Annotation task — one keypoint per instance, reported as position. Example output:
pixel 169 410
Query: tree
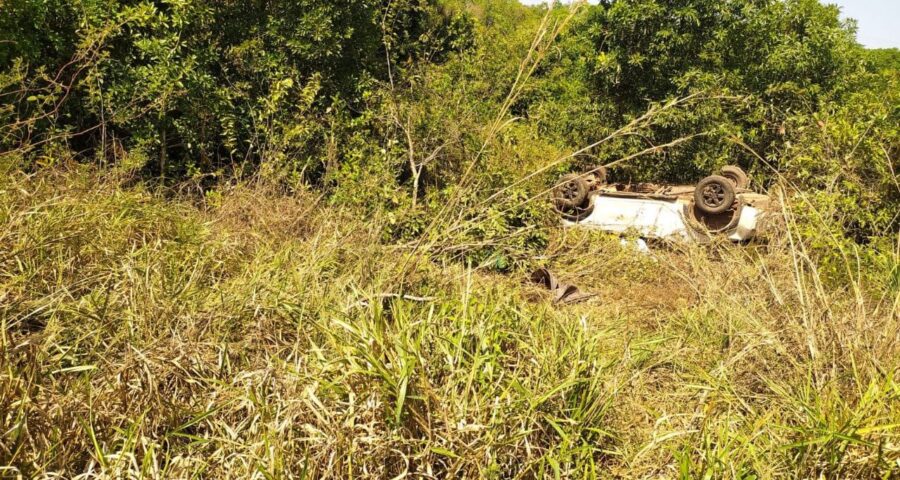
pixel 198 84
pixel 763 61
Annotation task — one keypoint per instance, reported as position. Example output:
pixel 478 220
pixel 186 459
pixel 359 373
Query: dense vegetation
pixel 286 238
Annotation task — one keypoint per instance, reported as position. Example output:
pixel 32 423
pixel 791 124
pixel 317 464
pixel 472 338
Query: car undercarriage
pixel 719 206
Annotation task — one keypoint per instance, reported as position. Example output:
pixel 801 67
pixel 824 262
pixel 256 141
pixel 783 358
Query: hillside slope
pixel 258 335
pixel 290 239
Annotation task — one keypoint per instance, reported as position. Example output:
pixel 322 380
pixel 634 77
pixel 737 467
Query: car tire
pixel 714 194
pixel 737 176
pixel 571 192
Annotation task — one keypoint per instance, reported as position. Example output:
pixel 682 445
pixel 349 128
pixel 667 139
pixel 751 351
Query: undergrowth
pixel 262 335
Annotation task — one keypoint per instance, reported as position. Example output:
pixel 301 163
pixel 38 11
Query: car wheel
pixel 714 194
pixel 737 176
pixel 571 192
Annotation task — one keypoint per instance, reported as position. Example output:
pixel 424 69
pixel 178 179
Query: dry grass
pixel 251 337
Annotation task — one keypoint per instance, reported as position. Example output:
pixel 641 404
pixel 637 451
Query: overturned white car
pixel 719 205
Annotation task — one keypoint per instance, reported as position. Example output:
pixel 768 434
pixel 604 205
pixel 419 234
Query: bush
pixel 203 85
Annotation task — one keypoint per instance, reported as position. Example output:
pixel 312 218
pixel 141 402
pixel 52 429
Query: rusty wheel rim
pixel 713 195
pixel 570 191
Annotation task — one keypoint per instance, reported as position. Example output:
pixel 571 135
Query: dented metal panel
pixel 645 217
pixel 748 225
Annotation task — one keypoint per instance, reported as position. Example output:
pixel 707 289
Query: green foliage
pixel 36 31
pixel 881 59
pixel 760 61
pixel 786 52
pixel 205 84
pixel 844 161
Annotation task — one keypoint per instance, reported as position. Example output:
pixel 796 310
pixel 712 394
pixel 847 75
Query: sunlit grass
pixel 259 335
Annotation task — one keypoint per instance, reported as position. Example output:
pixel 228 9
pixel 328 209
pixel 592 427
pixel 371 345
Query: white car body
pixel 666 218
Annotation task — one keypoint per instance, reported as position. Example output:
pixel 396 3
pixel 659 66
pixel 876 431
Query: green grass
pixel 256 335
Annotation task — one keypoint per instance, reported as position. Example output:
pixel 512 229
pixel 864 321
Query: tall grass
pixel 260 335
